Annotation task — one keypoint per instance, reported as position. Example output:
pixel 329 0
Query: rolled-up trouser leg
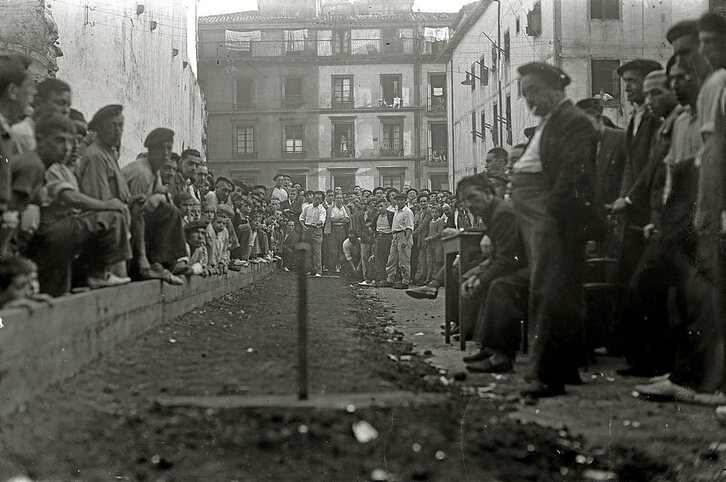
pixel 164 234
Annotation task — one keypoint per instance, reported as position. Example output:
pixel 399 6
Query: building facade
pixel 335 94
pixel 588 39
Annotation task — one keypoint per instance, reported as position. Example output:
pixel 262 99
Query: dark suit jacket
pixel 638 158
pixel 612 155
pixel 568 150
pixel 508 254
pixel 288 245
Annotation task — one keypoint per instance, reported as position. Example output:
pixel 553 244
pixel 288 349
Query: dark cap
pixel 103 114
pixel 681 29
pixel 277 176
pixel 159 136
pixel 590 105
pixel 550 73
pixel 223 208
pixel 644 66
pixel 194 225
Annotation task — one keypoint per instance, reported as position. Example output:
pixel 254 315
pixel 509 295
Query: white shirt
pixel 312 215
pixel 637 117
pixel 279 193
pixel 382 224
pixel 339 212
pixel 402 220
pixel 531 160
pixel 350 249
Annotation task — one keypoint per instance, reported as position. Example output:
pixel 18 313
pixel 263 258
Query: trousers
pixel 399 257
pixel 383 248
pixel 314 237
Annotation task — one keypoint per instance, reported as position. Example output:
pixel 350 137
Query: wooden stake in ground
pixel 303 251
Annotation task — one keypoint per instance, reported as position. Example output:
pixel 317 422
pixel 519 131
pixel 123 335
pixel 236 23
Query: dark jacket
pixel 568 150
pixel 361 226
pixel 612 154
pixel 289 242
pixel 508 254
pixel 639 147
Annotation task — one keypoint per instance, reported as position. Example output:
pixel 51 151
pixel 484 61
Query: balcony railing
pixel 293 154
pixel 340 154
pixel 390 102
pixel 437 154
pixel 344 104
pixel 388 152
pixel 293 101
pixel 318 48
pixel 245 155
pixel 436 104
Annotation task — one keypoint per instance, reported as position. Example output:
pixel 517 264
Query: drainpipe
pixel 451 108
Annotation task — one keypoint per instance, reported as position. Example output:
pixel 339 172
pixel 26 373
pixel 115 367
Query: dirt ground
pixel 103 424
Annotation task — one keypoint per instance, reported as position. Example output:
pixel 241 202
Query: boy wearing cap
pixel 195 233
pixel 219 255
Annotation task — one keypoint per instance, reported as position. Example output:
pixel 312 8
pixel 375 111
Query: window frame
pixel 245 154
pixel 392 174
pixel 237 104
pixel 335 153
pixel 394 78
pixel 388 150
pixel 343 103
pixel 602 6
pixel 615 83
pixel 296 151
pixel 297 100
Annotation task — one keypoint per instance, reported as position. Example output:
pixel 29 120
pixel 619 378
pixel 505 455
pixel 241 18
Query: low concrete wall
pixel 53 342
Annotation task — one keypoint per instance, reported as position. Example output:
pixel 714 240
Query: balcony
pixel 293 101
pixel 436 105
pixel 390 103
pixel 388 152
pixel 293 154
pixel 437 155
pixel 245 155
pixel 309 48
pixel 339 154
pixel 343 105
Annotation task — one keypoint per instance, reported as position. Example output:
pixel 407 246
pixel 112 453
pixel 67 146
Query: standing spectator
pixel 361 224
pixel 352 253
pixel 399 258
pixel 434 245
pixel 422 220
pixel 552 196
pixel 313 219
pixel 339 224
pixel 383 221
pixel 278 191
pixel 190 160
pixel 289 253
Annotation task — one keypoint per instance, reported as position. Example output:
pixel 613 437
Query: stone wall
pixel 53 342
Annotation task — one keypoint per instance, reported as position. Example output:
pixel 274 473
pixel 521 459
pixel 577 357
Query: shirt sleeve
pixel 56 182
pixel 323 215
pixel 346 250
pixel 93 178
pixel 302 214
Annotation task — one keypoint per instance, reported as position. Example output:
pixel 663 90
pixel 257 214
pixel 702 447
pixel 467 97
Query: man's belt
pixel 312 226
pixel 383 234
pixel 400 231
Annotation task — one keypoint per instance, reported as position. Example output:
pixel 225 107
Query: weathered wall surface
pixel 112 55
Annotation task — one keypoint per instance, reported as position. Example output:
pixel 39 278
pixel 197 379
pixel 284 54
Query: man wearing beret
pixel 553 199
pixel 683 36
pixel 160 235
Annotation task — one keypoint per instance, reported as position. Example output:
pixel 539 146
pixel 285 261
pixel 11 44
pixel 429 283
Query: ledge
pixel 56 340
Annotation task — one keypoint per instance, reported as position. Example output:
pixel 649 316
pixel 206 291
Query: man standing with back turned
pixel 553 183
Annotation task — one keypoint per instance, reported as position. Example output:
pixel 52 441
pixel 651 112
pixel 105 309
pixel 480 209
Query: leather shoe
pixel 401 286
pixel 384 284
pixel 487 366
pixel 423 292
pixel 480 356
pixel 540 389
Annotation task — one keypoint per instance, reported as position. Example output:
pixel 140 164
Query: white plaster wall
pixel 112 56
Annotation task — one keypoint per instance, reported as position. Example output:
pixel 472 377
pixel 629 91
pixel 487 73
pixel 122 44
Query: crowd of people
pixel 646 203
pixel 613 239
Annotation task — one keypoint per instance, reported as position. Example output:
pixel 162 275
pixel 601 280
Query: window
pixel 534 21
pixel 438 142
pixel 295 41
pixel 473 81
pixel 392 145
pixel 292 92
pixel 341 41
pixel 437 93
pixel 495 54
pixel 392 180
pixel 473 127
pixel 391 41
pixel 343 142
pixel 301 179
pixel 605 9
pixel 293 140
pixel 344 180
pixel 483 125
pixel 495 125
pixel 507 45
pixel 439 182
pixel 519 88
pixel 516 25
pixel 343 91
pixel 245 145
pixel 509 119
pixel 244 94
pixel 243 176
pixel 483 72
pixel 391 91
pixel 605 78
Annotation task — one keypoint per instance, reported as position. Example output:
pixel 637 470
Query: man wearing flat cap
pixel 159 229
pixel 278 190
pixel 553 199
pixel 683 36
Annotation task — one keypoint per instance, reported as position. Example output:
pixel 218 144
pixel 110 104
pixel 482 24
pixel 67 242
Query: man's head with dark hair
pixel 55 135
pixel 659 96
pixel 712 38
pixel 543 86
pixel 108 123
pixel 17 88
pixel 16 274
pixel 496 153
pixel 54 95
pixel 633 73
pixel 683 36
pixel 687 73
pixel 318 197
pixel 476 192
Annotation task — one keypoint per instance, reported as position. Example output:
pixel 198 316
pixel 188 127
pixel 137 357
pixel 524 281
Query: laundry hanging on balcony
pixel 241 41
pixel 295 40
pixel 365 41
pixel 432 34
